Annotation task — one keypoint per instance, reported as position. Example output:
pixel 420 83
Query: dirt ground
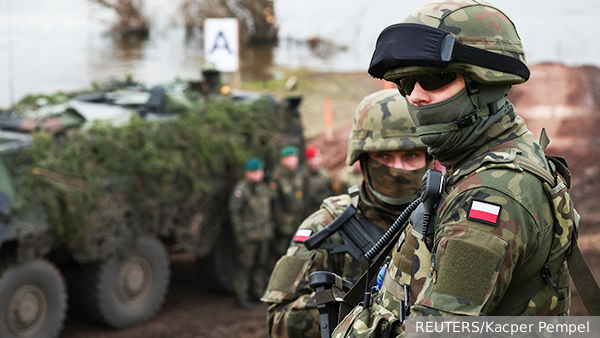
pixel 564 100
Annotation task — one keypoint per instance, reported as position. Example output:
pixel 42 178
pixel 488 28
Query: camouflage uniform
pixel 381 124
pixel 289 205
pixel 505 219
pixel 251 218
pixel 347 177
pixel 318 187
pixel 292 311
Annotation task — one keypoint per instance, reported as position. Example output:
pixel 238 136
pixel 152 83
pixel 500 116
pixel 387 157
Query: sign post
pixel 221 45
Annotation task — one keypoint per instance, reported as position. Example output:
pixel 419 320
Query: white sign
pixel 221 43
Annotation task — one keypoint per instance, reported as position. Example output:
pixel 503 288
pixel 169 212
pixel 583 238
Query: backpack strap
pixel 515 301
pixel 584 281
pixel 557 163
pixel 579 271
pixel 534 168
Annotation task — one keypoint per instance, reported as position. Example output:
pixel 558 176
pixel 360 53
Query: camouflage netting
pixel 101 186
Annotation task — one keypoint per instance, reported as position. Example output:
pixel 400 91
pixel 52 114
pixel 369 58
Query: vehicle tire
pixel 33 301
pixel 222 262
pixel 127 290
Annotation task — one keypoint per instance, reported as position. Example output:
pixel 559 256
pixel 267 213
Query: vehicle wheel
pixel 33 300
pixel 127 290
pixel 222 262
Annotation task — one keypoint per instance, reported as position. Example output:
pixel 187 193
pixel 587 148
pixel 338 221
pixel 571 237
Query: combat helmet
pixel 382 123
pixel 209 70
pixel 470 37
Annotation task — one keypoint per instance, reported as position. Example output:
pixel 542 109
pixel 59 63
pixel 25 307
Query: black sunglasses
pixel 430 81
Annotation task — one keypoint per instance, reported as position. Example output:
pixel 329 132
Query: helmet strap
pixel 472 90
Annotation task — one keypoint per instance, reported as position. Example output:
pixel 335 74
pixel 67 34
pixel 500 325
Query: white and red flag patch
pixel 485 212
pixel 302 235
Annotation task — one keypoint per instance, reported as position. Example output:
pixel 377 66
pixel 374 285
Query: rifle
pixel 360 246
pixel 356 239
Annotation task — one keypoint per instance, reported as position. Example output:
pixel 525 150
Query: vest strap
pixel 393 287
pixel 515 300
pixel 583 279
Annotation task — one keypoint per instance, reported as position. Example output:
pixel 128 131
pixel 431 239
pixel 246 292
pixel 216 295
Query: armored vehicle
pixel 89 209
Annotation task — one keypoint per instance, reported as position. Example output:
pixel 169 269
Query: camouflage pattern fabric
pixel 251 270
pixel 510 251
pixel 289 205
pixel 501 223
pixel 292 309
pixel 477 261
pixel 347 177
pixel 318 188
pixel 251 218
pixel 52 123
pixel 381 123
pixel 474 23
pixel 394 182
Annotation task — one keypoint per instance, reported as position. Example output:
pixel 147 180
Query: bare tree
pixel 131 22
pixel 257 21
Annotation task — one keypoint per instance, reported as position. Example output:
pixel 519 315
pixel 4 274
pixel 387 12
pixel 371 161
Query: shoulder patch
pixel 237 194
pixel 302 235
pixel 484 212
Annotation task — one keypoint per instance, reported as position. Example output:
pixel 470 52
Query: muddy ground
pixel 562 99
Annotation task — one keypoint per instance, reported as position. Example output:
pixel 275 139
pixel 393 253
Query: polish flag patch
pixel 302 235
pixel 484 212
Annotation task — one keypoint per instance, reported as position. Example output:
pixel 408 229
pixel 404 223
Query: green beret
pixel 253 164
pixel 289 150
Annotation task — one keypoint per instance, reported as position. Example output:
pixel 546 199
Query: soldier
pixel 318 180
pixel 250 210
pixel 503 223
pixel 393 161
pixel 288 177
pixel 211 79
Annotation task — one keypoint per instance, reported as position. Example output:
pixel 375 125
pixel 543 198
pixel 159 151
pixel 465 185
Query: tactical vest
pixel 527 282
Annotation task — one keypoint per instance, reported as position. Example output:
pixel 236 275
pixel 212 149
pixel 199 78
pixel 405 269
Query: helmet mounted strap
pixel 434 47
pixel 472 90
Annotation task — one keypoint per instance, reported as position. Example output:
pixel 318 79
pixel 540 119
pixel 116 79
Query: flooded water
pixel 46 46
pixel 551 30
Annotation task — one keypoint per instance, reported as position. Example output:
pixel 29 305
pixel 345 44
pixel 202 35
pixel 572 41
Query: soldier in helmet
pixel 251 218
pixel 209 87
pixel 211 77
pixel 318 180
pixel 503 223
pixel 393 161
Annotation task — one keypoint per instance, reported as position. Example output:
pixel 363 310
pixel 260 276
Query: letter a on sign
pixel 220 38
pixel 221 43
